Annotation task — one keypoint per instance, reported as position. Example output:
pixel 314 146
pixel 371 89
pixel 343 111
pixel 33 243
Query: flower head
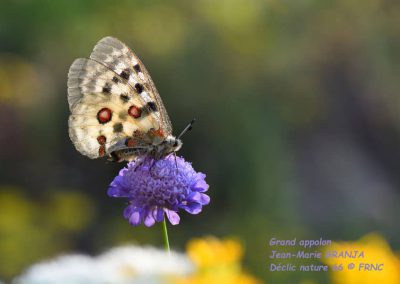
pixel 210 251
pixel 155 188
pixel 217 261
pixel 126 264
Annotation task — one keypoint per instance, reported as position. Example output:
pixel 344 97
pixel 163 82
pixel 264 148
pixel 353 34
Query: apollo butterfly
pixel 116 110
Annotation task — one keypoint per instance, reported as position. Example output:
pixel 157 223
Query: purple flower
pixel 158 188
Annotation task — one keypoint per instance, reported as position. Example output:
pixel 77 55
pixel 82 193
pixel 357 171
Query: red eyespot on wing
pixel 159 132
pixel 104 115
pixel 134 111
pixel 130 142
pixel 101 139
pixel 102 151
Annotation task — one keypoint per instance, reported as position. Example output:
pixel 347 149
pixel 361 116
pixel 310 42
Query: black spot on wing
pixel 115 79
pixel 137 68
pixel 124 98
pixel 139 88
pixel 152 106
pixel 125 74
pixel 107 88
pixel 118 127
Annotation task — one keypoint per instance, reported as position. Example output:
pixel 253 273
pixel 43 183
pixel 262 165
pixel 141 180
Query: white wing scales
pixel 117 57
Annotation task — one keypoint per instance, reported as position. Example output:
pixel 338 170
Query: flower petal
pixel 172 216
pixel 200 186
pixel 134 219
pixel 128 211
pixel 116 191
pixel 192 207
pixel 158 214
pixel 149 219
pixel 198 197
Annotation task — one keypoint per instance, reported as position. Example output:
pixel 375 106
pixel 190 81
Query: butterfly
pixel 116 110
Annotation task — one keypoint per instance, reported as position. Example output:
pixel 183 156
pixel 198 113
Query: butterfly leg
pixel 176 163
pixel 153 163
pixel 140 160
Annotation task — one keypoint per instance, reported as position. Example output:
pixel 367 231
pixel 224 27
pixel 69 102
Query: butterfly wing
pixel 109 107
pixel 118 57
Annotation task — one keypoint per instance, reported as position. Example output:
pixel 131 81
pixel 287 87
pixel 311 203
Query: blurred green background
pixel 298 124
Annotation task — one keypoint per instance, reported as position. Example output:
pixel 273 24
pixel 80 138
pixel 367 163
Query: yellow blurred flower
pixel 211 252
pixel 217 261
pixel 371 250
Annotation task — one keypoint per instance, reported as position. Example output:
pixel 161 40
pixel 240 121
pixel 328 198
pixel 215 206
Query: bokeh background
pixel 298 124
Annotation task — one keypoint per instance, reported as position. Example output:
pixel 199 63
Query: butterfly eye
pixel 175 143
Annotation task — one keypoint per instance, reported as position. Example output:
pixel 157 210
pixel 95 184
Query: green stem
pixel 165 234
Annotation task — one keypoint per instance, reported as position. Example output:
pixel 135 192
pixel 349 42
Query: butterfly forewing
pixel 112 99
pixel 123 61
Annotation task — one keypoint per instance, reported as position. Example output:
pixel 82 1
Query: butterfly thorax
pixel 156 150
pixel 169 145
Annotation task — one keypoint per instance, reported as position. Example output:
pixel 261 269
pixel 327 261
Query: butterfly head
pixel 173 144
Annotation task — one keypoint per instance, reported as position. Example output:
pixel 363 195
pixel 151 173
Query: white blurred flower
pixel 64 269
pixel 121 265
pixel 142 264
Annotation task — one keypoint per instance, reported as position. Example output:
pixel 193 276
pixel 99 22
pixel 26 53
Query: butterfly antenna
pixel 187 128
